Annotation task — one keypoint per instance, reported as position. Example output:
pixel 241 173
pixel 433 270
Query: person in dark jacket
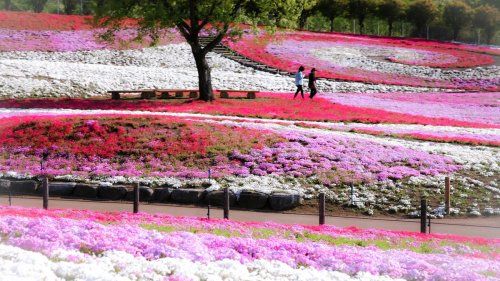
pixel 312 83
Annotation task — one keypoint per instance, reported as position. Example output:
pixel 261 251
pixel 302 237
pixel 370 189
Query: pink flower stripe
pixel 420 133
pixel 24 31
pixel 427 133
pixel 268 105
pixel 243 228
pixel 289 50
pixel 74 40
pixel 491 50
pixel 473 107
pixel 47 234
pixel 490 140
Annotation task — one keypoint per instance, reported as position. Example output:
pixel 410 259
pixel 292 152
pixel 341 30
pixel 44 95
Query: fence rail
pixel 424 221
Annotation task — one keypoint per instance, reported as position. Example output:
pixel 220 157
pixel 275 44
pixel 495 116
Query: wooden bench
pixel 153 93
pixel 145 94
pixel 177 93
pixel 224 94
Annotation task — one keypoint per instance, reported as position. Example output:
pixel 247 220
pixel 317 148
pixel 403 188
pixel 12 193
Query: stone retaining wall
pixel 247 199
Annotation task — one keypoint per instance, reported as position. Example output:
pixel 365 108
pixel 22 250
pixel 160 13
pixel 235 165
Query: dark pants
pixel 313 92
pixel 299 89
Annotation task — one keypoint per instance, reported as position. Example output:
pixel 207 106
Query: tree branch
pixel 184 30
pixel 206 20
pixel 193 16
pixel 222 33
pixel 210 46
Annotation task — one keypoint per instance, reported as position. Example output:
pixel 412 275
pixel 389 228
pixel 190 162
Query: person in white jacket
pixel 299 82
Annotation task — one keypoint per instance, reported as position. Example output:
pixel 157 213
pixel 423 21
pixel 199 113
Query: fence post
pixel 352 194
pixel 208 209
pixel 429 224
pixel 45 190
pixel 447 188
pixel 226 203
pixel 208 205
pixel 423 215
pixel 6 185
pixel 136 198
pixel 321 208
pixel 10 195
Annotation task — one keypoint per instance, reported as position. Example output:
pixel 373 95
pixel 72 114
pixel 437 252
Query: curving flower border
pixel 256 47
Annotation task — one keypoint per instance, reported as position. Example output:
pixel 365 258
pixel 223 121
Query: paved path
pixel 466 227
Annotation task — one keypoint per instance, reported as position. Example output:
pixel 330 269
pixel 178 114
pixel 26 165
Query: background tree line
pixel 473 21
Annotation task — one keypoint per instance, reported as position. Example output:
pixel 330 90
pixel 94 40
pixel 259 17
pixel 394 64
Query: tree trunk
pixel 420 31
pixel 390 28
pixel 69 6
pixel 303 20
pixel 38 5
pixel 361 26
pixel 204 77
pixel 331 24
pixel 277 21
pixel 7 5
pixel 456 31
pixel 100 4
pixel 490 32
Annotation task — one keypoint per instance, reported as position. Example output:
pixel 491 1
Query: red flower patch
pixel 266 106
pixel 134 137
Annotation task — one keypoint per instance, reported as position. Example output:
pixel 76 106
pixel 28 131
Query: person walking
pixel 312 83
pixel 299 82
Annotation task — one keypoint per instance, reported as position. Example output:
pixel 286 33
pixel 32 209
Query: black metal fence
pixel 424 217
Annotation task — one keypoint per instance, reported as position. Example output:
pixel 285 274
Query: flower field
pixel 43 55
pixel 389 141
pixel 244 153
pixel 372 59
pixel 85 147
pixel 72 244
pixel 62 33
pixel 473 107
pixel 73 40
pixel 344 108
pixel 42 21
pixel 393 118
